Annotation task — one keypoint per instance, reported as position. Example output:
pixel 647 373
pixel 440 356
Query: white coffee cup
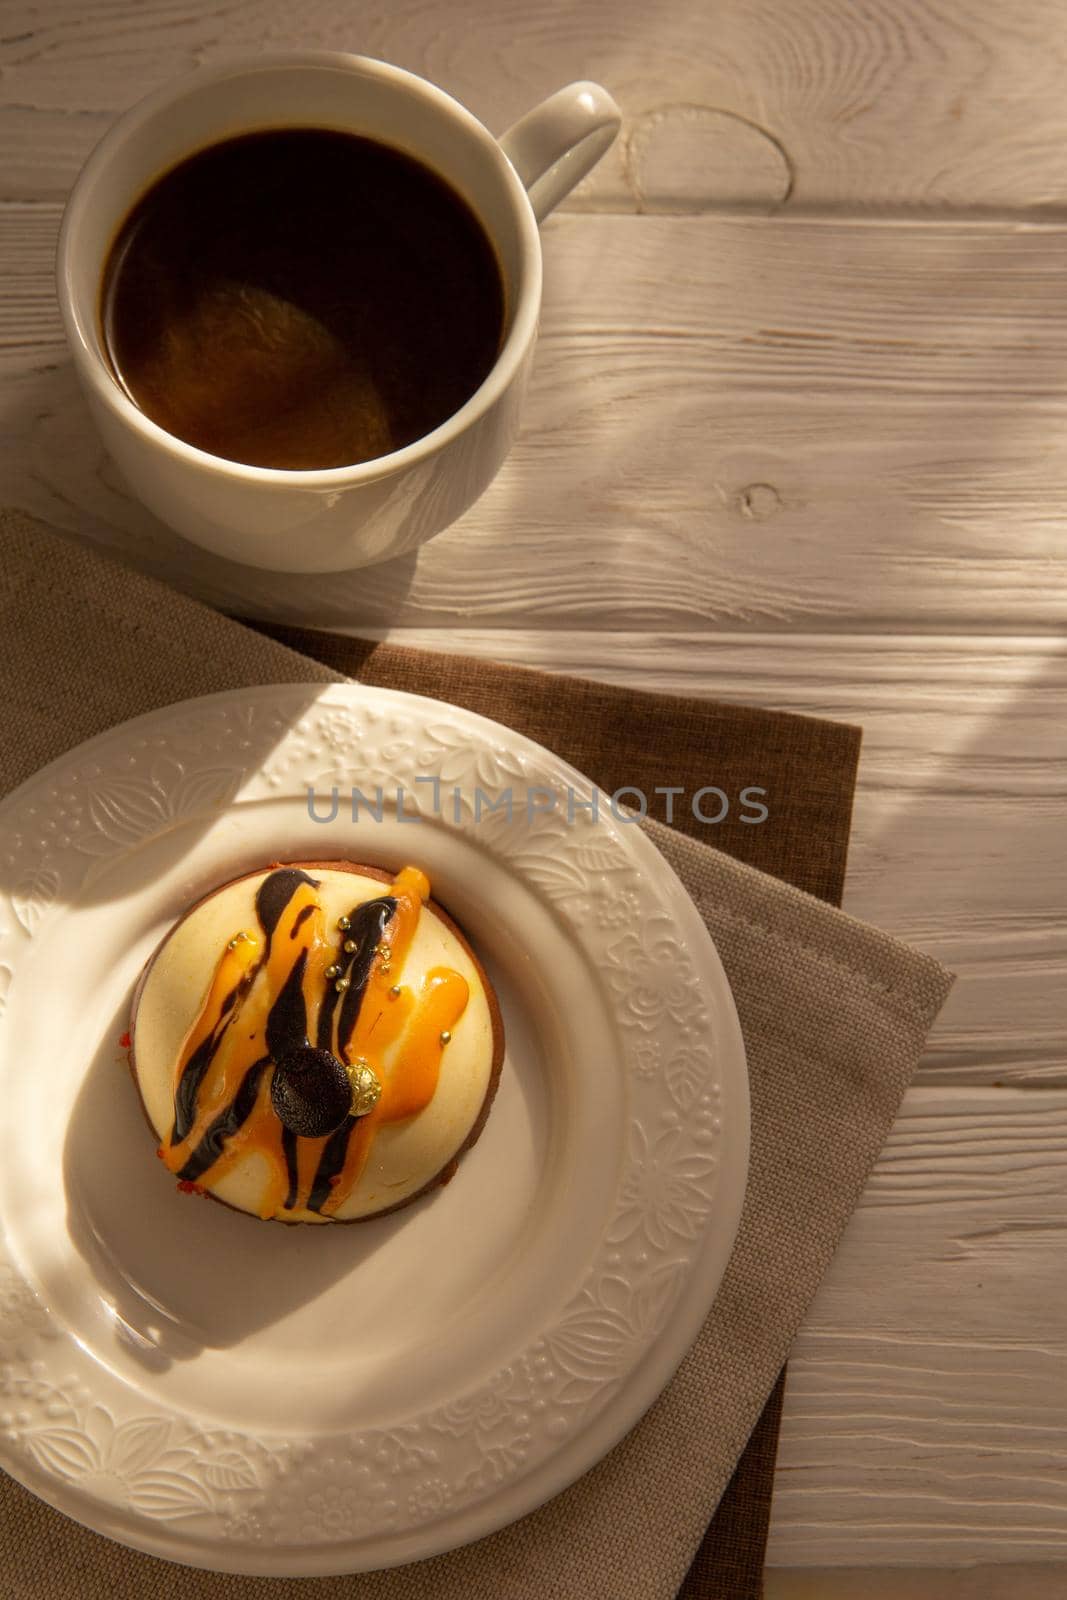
pixel 338 517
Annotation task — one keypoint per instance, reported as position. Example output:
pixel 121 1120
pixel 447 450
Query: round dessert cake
pixel 315 1042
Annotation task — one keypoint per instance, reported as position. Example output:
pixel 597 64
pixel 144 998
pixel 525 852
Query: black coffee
pixel 301 298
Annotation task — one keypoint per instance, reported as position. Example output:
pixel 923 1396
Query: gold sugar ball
pixel 366 1087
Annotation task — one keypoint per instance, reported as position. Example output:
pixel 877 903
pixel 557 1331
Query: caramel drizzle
pixel 223 1111
pixel 405 1092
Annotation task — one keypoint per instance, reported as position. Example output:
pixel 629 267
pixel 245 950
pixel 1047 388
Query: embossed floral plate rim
pixel 163 1483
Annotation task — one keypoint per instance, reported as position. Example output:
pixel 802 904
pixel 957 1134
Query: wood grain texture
pixel 907 104
pixel 926 1412
pixel 1030 1580
pixel 746 423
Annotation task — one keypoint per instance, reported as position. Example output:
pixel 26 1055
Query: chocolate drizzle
pixel 275 893
pixel 330 1163
pixel 287 1021
pixel 289 1152
pixel 198 1063
pixel 367 925
pixel 229 1119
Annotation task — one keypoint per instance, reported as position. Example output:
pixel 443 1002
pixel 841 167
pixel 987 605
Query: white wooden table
pixel 797 437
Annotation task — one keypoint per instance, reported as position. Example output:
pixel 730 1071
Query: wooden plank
pixel 926 1411
pixel 896 103
pixel 748 424
pixel 1031 1580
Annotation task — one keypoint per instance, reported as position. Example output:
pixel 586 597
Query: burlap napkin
pixel 834 1015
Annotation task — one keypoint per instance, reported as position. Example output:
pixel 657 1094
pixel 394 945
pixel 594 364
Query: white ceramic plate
pixel 254 1398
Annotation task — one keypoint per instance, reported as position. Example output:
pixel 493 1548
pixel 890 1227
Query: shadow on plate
pixel 180 1273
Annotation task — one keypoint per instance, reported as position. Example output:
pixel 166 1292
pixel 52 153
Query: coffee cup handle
pixel 553 146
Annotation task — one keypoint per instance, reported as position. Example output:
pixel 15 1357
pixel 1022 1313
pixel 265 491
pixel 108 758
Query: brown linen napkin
pixel 834 1016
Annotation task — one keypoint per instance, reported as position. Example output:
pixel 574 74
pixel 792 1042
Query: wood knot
pixel 758 502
